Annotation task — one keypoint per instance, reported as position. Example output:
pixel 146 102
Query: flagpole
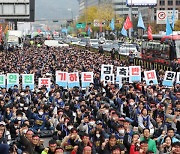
pixel 130 16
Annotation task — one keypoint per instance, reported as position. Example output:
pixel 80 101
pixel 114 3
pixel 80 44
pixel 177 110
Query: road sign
pixel 162 16
pixel 80 25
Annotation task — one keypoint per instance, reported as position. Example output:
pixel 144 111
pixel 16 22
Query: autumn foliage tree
pixel 177 25
pixel 103 13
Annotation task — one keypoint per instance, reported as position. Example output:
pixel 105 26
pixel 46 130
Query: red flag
pixel 1 33
pixel 128 24
pixel 86 29
pixel 100 28
pixel 149 32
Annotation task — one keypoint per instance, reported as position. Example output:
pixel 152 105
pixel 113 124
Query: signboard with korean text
pixel 2 81
pixel 44 82
pixel 28 80
pixel 122 72
pixel 134 74
pixel 178 77
pixel 12 80
pixel 169 78
pixel 73 80
pixel 107 78
pixel 106 69
pixel 150 77
pixel 62 79
pixel 107 73
pixel 86 78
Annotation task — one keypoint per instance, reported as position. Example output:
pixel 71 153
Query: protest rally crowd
pixel 100 119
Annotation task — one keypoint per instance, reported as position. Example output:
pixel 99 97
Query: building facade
pixel 119 6
pixel 122 9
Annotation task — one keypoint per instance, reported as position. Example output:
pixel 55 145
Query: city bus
pixel 163 49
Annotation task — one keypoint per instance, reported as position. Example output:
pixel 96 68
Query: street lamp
pixel 71 13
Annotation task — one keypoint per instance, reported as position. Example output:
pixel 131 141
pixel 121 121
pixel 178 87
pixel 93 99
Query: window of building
pixel 161 2
pixel 122 9
pixel 170 8
pixel 170 2
pixel 162 9
pixel 177 2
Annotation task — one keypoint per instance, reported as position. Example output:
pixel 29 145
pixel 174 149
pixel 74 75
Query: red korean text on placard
pixel 44 82
pixel 72 77
pixel 135 71
pixel 62 76
pixel 87 77
pixel 150 75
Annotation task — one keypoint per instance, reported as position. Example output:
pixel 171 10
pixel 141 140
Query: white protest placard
pixel 108 78
pixel 106 69
pixel 62 79
pixel 86 78
pixel 169 78
pixel 150 76
pixel 28 80
pixel 12 80
pixel 178 77
pixel 3 81
pixel 123 71
pixel 73 80
pixel 44 82
pixel 134 73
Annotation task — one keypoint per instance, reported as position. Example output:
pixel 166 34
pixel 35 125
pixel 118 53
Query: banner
pixel 73 80
pixel 28 80
pixel 86 78
pixel 134 74
pixel 62 79
pixel 2 81
pixel 150 76
pixel 178 77
pixel 12 80
pixel 169 78
pixel 44 82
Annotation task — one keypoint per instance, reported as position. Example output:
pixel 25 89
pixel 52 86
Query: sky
pixel 56 9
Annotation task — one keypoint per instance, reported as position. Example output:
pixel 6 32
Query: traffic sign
pixel 162 16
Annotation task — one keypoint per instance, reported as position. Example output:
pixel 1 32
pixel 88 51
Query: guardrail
pixel 148 64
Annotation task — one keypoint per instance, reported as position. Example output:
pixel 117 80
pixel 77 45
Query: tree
pixel 177 25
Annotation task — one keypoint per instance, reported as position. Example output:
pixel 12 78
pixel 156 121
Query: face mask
pixel 40 113
pixel 91 123
pixel 70 127
pixel 16 127
pixel 25 108
pixel 19 118
pixel 155 94
pixel 98 135
pixel 21 104
pixel 121 131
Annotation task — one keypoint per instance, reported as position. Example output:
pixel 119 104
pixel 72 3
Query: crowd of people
pixel 101 119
